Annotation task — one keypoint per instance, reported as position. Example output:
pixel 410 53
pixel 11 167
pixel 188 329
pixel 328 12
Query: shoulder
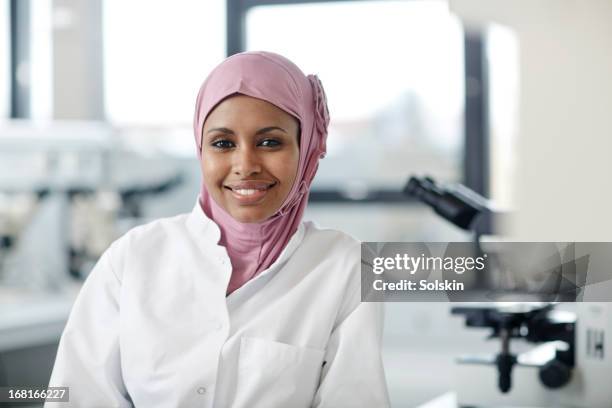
pixel 161 227
pixel 334 251
pixel 330 242
pixel 149 238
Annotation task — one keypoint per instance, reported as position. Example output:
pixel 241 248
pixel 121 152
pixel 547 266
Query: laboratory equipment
pixel 67 190
pixel 570 367
pixel 535 323
pixel 571 364
pixel 457 204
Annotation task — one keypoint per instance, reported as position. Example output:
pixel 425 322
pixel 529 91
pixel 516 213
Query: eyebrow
pixel 259 132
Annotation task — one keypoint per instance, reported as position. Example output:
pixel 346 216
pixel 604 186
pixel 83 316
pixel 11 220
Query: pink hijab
pixel 253 247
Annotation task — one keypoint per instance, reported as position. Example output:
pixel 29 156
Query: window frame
pixel 19 43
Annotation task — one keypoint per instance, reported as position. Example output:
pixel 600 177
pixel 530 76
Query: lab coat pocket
pixel 273 374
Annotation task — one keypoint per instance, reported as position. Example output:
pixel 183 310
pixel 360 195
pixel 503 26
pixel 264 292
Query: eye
pixel 270 143
pixel 222 144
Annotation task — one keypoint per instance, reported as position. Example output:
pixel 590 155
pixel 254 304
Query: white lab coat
pixel 152 326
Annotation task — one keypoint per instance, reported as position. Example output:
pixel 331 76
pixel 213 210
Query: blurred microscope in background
pixel 66 193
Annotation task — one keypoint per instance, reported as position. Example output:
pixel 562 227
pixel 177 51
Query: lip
pixel 250 185
pixel 261 190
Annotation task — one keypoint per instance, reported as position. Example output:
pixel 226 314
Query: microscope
pixel 571 362
pixel 570 365
pixel 457 204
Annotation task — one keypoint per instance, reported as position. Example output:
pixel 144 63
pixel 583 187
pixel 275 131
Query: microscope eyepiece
pixel 452 204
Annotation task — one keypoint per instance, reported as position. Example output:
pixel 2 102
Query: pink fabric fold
pixel 253 247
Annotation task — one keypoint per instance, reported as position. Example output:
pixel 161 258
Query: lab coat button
pixel 202 390
pixel 217 326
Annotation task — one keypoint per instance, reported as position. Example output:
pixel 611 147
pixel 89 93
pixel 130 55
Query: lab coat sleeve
pixel 353 374
pixel 88 359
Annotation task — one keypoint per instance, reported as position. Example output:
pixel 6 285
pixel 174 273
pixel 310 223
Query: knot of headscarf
pixel 321 111
pixel 253 247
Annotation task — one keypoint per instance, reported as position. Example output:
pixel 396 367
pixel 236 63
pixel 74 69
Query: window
pixel 5 60
pixel 41 37
pixel 393 72
pixel 32 51
pixel 156 56
pixel 502 50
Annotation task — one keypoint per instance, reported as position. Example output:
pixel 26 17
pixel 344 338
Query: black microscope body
pixel 535 323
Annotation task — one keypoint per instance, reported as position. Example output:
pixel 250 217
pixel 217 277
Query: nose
pixel 246 162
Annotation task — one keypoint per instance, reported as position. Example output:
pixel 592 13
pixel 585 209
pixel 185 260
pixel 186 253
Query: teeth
pixel 246 192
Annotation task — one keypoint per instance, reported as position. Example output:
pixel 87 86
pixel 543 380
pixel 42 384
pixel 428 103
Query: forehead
pixel 243 109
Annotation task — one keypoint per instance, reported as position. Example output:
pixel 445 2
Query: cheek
pixel 212 170
pixel 288 166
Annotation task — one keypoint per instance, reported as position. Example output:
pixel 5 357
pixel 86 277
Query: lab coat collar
pixel 201 226
pixel 207 233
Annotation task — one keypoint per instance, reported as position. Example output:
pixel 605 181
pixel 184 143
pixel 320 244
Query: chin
pixel 250 217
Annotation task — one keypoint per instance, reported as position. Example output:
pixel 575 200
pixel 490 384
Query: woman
pixel 239 303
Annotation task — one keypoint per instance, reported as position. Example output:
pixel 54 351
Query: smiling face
pixel 250 157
